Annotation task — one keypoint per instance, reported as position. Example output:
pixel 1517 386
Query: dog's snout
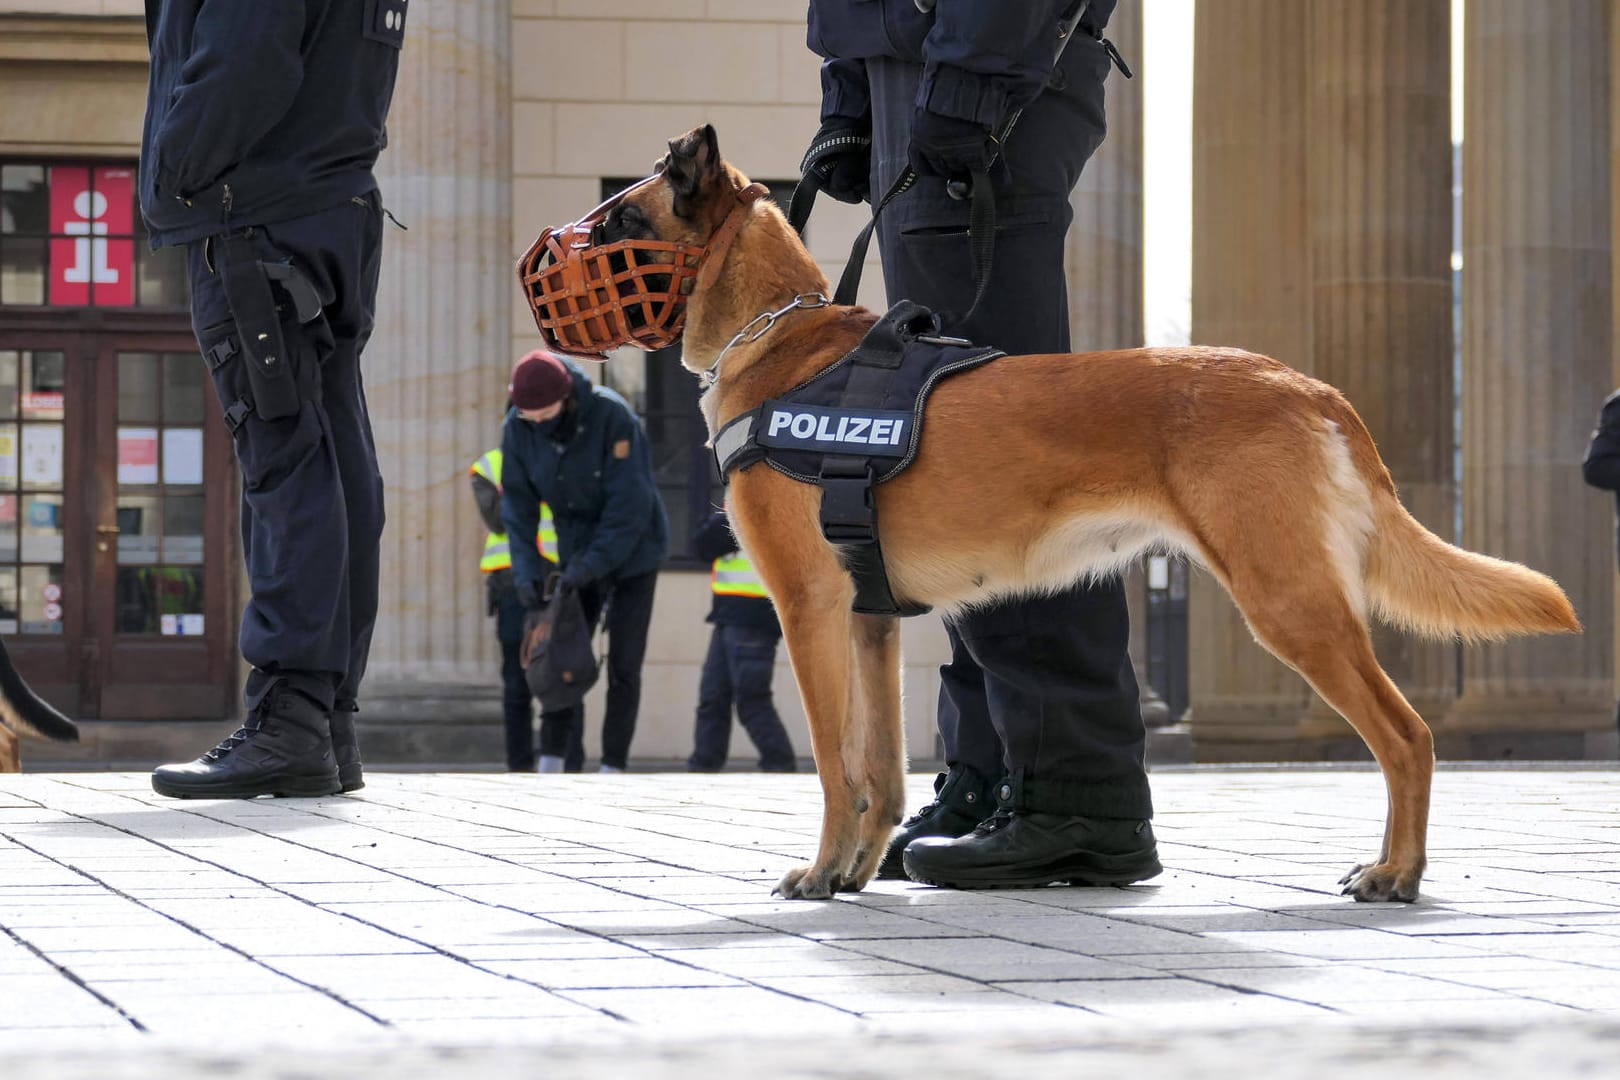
pixel 624 222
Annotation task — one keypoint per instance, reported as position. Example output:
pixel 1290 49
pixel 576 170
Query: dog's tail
pixel 25 711
pixel 1417 581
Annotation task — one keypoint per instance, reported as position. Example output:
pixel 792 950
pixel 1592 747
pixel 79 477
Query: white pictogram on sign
pixel 90 251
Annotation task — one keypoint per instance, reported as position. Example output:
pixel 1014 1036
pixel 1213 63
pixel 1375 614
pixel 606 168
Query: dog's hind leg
pixel 1315 630
pixel 877 746
pixel 814 608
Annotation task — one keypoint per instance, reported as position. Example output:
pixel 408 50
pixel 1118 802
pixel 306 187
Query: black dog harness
pixel 853 425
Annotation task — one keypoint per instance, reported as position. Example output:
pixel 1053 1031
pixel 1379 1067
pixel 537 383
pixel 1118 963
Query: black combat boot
pixel 284 748
pixel 1018 847
pixel 961 801
pixel 346 746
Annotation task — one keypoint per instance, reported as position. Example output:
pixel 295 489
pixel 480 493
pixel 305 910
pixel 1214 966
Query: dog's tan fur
pixel 10 751
pixel 1074 465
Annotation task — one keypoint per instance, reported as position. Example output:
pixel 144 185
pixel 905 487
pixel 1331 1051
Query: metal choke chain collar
pixel 760 325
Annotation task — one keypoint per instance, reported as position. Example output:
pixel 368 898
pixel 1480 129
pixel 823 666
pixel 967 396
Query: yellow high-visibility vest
pixel 497 551
pixel 733 575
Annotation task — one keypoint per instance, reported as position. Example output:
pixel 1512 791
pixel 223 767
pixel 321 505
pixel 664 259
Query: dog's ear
pixel 691 167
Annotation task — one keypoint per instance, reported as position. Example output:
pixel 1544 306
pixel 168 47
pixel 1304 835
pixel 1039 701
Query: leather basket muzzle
pixel 589 297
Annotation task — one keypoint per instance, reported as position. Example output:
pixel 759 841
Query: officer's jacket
pixel 262 112
pixel 983 59
pixel 595 470
pixel 1601 466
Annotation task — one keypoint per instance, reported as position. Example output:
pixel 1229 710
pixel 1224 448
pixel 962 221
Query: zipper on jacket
pixel 228 198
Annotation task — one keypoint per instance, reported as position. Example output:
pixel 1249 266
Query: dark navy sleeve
pixel 520 509
pixel 488 498
pixel 1601 466
pixel 986 58
pixel 628 496
pixel 844 92
pixel 243 73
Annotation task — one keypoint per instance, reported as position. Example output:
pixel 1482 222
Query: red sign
pixel 87 215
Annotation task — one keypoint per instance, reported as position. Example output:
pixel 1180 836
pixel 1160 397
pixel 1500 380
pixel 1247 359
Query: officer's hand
pixel 529 595
pixel 841 157
pixel 572 579
pixel 947 146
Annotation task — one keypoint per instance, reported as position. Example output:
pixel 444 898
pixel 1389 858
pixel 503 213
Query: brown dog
pixel 1076 464
pixel 22 712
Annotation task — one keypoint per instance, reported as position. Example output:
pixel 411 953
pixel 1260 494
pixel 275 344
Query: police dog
pixel 23 712
pixel 1078 464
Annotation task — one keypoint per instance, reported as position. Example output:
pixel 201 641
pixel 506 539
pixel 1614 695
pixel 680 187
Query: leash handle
pixel 850 283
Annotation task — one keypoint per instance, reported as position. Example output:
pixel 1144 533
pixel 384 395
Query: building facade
pixel 1321 234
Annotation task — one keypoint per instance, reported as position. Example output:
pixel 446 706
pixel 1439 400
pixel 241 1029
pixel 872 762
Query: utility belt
pixel 250 283
pixel 852 426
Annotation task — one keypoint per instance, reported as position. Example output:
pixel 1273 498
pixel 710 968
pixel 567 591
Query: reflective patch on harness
pixel 868 432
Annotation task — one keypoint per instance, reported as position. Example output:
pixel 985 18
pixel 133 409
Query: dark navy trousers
pixel 737 671
pixel 1041 687
pixel 517 702
pixel 628 616
pixel 312 496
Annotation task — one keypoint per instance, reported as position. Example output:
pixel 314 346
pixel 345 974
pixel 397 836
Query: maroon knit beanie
pixel 540 380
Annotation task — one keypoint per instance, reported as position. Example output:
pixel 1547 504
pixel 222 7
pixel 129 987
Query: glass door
pixel 41 612
pixel 168 614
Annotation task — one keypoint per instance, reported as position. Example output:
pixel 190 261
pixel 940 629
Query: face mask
pixel 567 422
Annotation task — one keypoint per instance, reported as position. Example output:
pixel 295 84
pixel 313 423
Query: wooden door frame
pixel 97 680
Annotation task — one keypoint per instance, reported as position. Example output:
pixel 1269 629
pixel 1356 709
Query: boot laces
pixel 921 815
pixel 250 727
pixel 996 821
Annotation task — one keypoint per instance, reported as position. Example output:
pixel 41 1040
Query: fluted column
pixel 1379 167
pixel 1104 264
pixel 1104 253
pixel 436 366
pixel 1537 346
pixel 1251 288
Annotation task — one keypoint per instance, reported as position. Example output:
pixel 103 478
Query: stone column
pixel 436 367
pixel 1537 357
pixel 1104 265
pixel 1379 168
pixel 1251 287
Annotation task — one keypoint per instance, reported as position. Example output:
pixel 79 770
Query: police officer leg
pixel 354 231
pixel 629 615
pixel 973 756
pixel 926 256
pixel 516 702
pixel 295 625
pixel 753 665
pixel 711 726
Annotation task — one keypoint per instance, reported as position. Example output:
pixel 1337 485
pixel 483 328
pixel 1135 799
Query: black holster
pixel 272 380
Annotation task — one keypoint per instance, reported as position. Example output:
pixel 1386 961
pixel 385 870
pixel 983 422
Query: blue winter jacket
pixel 262 111
pixel 982 59
pixel 599 484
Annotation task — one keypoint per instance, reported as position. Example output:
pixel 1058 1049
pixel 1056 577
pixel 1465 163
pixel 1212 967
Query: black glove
pixel 529 595
pixel 841 157
pixel 572 579
pixel 947 146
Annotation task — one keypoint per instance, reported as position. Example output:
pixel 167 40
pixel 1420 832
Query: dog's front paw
pixel 808 883
pixel 1380 882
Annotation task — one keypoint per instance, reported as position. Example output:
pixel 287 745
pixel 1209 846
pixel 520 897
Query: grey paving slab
pixel 433 918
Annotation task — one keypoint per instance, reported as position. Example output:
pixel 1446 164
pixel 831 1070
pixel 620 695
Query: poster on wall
pixel 93 252
pixel 8 460
pixel 42 455
pixel 182 455
pixel 137 455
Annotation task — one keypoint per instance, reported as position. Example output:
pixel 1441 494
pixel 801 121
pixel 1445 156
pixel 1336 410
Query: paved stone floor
pixel 483 925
